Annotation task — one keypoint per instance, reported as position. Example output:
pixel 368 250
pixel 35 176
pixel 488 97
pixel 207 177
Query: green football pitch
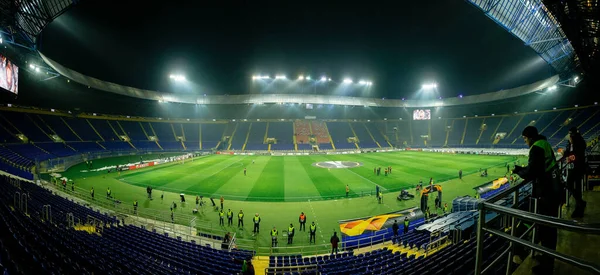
pixel 280 187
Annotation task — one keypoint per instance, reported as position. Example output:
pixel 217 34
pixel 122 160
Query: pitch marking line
pixel 316 222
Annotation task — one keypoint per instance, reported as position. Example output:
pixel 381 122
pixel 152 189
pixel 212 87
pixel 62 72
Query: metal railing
pixel 315 249
pixel 537 219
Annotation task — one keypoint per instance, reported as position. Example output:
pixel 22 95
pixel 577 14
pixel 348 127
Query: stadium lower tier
pixel 33 243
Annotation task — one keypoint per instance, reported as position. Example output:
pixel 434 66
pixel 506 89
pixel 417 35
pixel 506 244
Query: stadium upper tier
pixel 28 135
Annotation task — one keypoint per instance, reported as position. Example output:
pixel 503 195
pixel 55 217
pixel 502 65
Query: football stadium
pixel 457 137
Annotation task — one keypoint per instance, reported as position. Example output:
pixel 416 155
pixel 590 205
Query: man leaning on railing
pixel 542 171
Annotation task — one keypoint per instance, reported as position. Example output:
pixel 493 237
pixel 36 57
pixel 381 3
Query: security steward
pixel 108 193
pixel 135 205
pixel 547 188
pixel 221 216
pixel 406 224
pixel 229 217
pixel 291 232
pixel 302 221
pixel 241 219
pixel 313 232
pixel 92 193
pixel 256 221
pixel 274 234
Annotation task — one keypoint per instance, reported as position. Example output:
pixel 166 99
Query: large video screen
pixel 9 75
pixel 421 114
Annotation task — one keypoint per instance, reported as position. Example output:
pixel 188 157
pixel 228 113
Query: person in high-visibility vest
pixel 256 221
pixel 380 197
pixel 108 193
pixel 302 221
pixel 291 232
pixel 546 187
pixel 406 224
pixel 313 231
pixel 135 205
pixel 274 234
pixel 229 217
pixel 445 208
pixel 221 215
pixel 347 190
pixel 92 193
pixel 241 219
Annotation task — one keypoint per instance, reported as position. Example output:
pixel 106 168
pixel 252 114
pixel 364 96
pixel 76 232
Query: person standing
pixel 244 171
pixel 197 201
pixel 347 190
pixel 256 221
pixel 274 234
pixel 445 208
pixel 406 224
pixel 108 193
pixel 334 240
pixel 395 228
pixel 92 192
pixel 222 200
pixel 302 221
pixel 576 166
pixel 221 216
pixel 135 206
pixel 229 217
pixel 313 232
pixel 241 219
pixel 541 170
pixel 291 232
pixel 460 174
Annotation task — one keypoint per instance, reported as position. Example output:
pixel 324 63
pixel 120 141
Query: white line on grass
pixel 382 188
pixel 316 222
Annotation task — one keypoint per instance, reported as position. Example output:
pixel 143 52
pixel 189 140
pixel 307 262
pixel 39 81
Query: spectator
pixel 395 228
pixel 334 243
pixel 575 154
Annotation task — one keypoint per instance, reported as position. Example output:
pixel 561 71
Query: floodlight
pixel 308 78
pixel 37 69
pixel 576 78
pixel 177 77
pixel 255 77
pixel 460 96
pixel 280 77
pixel 329 79
pixel 347 80
pixel 31 66
pixel 323 78
pixel 301 77
pixel 552 88
pixel 429 86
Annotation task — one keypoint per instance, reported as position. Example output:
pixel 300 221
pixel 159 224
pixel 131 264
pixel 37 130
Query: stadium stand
pixel 365 139
pixel 302 131
pixel 283 132
pixel 191 131
pixel 373 128
pixel 239 135
pixel 211 135
pixel 256 136
pixel 340 132
pixel 37 243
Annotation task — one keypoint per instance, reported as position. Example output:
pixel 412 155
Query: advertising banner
pixel 141 165
pixel 485 190
pixel 377 228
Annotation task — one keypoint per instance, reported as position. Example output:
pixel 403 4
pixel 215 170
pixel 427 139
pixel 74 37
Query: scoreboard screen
pixel 9 75
pixel 421 114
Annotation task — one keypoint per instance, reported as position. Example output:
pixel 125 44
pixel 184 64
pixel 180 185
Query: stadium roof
pixel 453 44
pixel 225 45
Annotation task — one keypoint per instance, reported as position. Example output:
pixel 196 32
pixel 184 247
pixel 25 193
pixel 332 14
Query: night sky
pixel 219 46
